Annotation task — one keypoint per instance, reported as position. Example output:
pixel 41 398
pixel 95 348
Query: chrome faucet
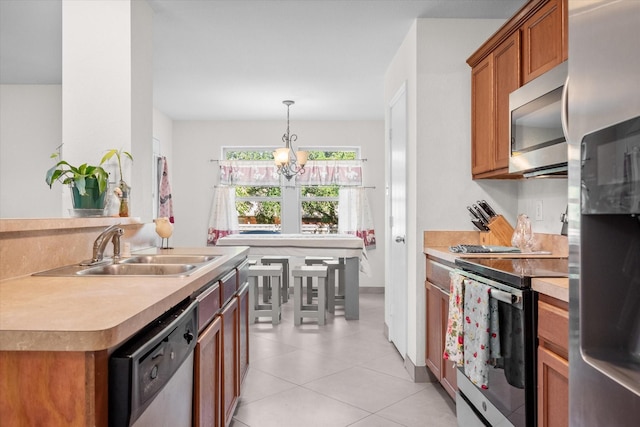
pixel 112 233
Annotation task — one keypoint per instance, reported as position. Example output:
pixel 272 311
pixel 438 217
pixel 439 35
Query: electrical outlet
pixel 539 213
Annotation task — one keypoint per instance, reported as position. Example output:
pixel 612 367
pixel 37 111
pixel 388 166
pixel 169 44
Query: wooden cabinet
pixel 544 40
pixel 492 80
pixel 553 365
pixel 207 378
pixel 230 360
pixel 532 42
pixel 42 388
pixel 437 308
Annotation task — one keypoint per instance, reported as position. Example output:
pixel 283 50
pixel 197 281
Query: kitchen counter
pixel 97 313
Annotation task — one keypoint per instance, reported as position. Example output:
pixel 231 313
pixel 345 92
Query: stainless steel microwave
pixel 536 125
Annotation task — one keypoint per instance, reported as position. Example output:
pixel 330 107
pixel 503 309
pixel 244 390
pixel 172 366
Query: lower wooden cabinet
pixel 207 384
pixel 553 365
pixel 437 308
pixel 230 360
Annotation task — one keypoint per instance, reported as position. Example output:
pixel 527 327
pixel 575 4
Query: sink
pixel 137 265
pixel 138 270
pixel 168 259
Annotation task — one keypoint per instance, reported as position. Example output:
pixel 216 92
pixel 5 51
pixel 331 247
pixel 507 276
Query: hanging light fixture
pixel 289 162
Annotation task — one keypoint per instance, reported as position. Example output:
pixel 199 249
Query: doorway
pixel 397 222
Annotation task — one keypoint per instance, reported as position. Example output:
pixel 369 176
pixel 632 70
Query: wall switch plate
pixel 539 211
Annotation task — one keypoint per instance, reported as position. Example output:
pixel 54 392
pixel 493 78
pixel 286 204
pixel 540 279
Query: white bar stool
pixel 314 260
pixel 270 274
pixel 284 260
pixel 335 276
pixel 317 273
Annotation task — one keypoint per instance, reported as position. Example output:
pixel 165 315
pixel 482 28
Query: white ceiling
pixel 237 60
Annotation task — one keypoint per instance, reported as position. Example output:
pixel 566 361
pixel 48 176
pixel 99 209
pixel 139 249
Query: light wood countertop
pixel 556 287
pixel 96 313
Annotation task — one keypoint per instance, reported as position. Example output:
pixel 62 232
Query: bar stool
pixel 313 260
pixel 270 274
pixel 335 276
pixel 284 260
pixel 316 273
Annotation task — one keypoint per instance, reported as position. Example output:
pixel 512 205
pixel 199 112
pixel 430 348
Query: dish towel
pixel 454 339
pixel 477 322
pixel 165 209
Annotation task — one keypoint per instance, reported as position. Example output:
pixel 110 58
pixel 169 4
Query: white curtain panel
pixel 224 217
pixel 316 172
pixel 355 215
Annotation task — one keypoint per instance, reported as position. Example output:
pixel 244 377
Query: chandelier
pixel 289 162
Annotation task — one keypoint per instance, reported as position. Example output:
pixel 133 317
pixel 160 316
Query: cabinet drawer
pixel 438 275
pixel 209 304
pixel 228 287
pixel 243 273
pixel 553 325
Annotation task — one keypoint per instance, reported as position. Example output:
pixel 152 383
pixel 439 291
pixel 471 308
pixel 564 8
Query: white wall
pixel 552 193
pixel 433 62
pixel 30 130
pixel 195 143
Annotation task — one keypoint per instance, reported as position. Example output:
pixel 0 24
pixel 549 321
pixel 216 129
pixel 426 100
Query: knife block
pixel 500 232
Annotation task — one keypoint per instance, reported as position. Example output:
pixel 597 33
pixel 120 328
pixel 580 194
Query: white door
pixel 397 258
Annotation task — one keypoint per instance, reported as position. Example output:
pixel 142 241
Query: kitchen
pixel 445 83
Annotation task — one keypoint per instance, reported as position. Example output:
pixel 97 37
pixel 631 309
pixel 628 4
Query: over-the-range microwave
pixel 538 113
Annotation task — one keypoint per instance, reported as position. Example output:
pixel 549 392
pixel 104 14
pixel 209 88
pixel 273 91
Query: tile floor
pixel 344 373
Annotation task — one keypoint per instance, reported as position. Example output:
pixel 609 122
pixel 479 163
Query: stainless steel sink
pixel 138 270
pixel 168 259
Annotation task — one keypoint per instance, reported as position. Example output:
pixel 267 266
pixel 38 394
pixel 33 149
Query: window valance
pixel 317 172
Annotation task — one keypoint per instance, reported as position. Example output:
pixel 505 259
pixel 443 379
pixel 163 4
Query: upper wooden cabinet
pixel 492 80
pixel 529 44
pixel 544 41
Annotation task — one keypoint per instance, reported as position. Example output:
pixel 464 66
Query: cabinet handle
pixel 565 109
pixel 399 239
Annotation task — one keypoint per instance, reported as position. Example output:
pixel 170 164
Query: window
pixel 269 204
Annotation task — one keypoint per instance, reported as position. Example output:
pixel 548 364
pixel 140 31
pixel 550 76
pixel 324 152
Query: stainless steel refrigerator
pixel 603 130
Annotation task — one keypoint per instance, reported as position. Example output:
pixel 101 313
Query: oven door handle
pixel 505 296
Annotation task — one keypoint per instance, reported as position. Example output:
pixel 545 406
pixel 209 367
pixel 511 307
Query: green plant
pixel 118 153
pixel 67 174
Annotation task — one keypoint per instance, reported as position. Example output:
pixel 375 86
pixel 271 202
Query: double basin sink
pixel 138 265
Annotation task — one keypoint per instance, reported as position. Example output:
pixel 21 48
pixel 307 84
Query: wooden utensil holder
pixel 500 232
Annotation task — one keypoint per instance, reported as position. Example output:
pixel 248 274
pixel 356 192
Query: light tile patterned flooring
pixel 344 373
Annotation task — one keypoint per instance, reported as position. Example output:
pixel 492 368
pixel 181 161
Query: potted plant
pixel 88 183
pixel 123 189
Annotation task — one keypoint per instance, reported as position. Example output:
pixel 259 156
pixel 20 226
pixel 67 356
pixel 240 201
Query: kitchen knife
pixel 479 225
pixel 487 208
pixel 483 212
pixel 484 218
pixel 474 214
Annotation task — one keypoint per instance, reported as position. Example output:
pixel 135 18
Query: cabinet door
pixel 544 39
pixel 243 314
pixel 230 360
pixel 434 330
pixel 482 117
pixel 553 389
pixel 506 65
pixel 207 369
pixel 448 370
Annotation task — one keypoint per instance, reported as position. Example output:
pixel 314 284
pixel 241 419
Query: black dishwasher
pixel 151 375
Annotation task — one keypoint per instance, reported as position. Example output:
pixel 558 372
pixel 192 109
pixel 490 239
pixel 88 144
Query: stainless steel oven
pixel 510 398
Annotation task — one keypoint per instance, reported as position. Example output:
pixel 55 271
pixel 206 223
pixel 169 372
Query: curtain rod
pixel 368 187
pixel 269 160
